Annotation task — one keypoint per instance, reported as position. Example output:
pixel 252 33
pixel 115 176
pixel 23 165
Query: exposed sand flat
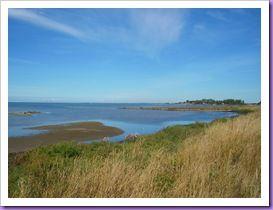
pixel 65 132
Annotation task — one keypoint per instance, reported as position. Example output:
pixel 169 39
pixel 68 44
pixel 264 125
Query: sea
pixel 131 121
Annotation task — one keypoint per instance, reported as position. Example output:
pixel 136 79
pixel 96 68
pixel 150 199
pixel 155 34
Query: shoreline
pixel 91 130
pixel 239 109
pixel 79 131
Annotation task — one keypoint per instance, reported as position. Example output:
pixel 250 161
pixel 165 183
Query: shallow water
pixel 130 121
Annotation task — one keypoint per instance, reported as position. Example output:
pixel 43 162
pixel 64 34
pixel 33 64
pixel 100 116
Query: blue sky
pixel 133 55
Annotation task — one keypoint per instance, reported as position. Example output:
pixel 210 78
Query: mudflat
pixel 80 131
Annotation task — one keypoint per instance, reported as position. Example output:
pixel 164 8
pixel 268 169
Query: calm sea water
pixel 131 121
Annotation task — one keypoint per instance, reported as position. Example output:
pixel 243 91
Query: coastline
pixel 218 154
pixel 86 131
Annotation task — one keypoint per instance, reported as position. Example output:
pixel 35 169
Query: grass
pixel 218 159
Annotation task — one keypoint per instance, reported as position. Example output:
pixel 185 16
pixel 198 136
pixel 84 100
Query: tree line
pixel 217 102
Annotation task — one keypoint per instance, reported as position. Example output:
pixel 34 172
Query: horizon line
pixel 74 102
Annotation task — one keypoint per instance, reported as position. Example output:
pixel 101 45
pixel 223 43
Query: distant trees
pixel 234 101
pixel 217 102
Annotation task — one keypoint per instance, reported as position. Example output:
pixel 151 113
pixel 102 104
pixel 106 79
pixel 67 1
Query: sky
pixel 134 55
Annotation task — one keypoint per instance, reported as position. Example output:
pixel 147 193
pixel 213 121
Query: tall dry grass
pixel 221 160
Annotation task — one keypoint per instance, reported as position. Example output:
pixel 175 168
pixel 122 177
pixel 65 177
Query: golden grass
pixel 223 160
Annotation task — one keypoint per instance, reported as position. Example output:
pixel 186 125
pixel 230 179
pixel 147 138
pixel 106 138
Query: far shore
pixel 240 109
pixel 81 131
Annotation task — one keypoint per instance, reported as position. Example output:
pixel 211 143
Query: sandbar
pixel 80 131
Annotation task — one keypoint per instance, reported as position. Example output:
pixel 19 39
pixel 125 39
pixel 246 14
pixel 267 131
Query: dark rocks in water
pixel 27 113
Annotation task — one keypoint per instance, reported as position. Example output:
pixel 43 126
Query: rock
pixel 131 137
pixel 105 139
pixel 26 113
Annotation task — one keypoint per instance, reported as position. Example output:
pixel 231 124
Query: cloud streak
pixel 155 29
pixel 22 61
pixel 218 15
pixel 33 17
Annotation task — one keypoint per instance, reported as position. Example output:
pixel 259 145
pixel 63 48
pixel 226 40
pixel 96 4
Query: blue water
pixel 130 121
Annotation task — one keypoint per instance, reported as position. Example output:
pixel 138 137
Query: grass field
pixel 218 159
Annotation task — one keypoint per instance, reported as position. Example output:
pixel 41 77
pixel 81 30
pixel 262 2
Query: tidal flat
pixel 53 134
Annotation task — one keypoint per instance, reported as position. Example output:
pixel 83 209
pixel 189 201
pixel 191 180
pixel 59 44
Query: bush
pixel 66 150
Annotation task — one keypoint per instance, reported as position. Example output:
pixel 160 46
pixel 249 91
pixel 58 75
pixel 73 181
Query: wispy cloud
pixel 155 29
pixel 35 18
pixel 147 31
pixel 199 27
pixel 20 60
pixel 219 15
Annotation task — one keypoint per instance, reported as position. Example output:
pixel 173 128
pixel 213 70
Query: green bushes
pixel 67 150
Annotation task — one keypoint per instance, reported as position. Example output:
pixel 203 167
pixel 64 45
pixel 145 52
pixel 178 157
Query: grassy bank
pixel 219 159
